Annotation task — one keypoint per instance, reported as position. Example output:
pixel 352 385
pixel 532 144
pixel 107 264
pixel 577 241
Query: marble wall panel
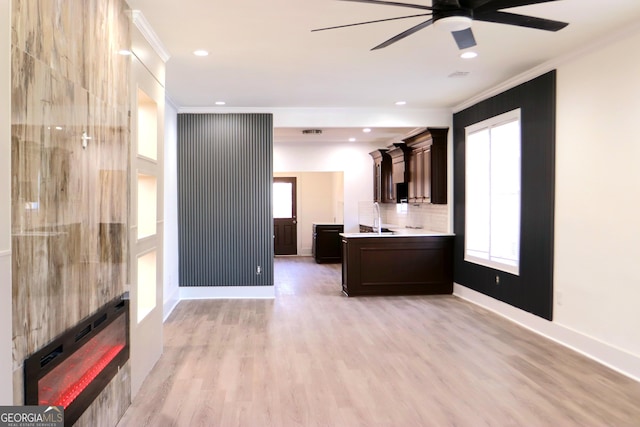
pixel 79 39
pixel 69 203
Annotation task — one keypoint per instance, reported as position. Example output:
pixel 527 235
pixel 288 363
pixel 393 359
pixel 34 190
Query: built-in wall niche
pixel 147 126
pixel 146 284
pixel 146 214
pixel 147 206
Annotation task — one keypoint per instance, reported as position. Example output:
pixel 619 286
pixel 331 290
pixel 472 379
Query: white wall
pixel 338 193
pixel 350 158
pixel 597 203
pixel 317 200
pixel 6 376
pixel 171 267
pixel 597 252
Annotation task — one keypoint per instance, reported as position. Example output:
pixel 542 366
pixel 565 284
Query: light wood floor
pixel 313 357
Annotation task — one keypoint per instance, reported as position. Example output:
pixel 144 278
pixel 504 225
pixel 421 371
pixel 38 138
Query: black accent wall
pixel 532 290
pixel 225 225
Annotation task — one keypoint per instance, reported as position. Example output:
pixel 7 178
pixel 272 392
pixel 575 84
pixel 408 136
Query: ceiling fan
pixel 456 16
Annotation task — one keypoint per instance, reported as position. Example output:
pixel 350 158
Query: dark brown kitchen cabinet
pixel 397 265
pixel 327 242
pixel 399 153
pixel 419 190
pixel 383 189
pixel 428 166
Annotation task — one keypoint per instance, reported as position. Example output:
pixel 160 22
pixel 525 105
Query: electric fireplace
pixel 72 370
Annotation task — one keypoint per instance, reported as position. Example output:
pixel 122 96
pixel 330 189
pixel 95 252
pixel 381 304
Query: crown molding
pixel 147 32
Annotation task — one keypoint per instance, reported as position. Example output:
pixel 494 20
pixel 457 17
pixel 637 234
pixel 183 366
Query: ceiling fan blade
pixel 504 4
pixel 464 38
pixel 519 20
pixel 370 22
pixel 473 4
pixel 393 3
pixel 447 3
pixel 404 34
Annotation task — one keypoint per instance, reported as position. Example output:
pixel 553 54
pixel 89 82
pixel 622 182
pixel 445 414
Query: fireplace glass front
pixel 73 369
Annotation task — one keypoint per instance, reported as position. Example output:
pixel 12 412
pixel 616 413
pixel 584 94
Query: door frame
pixel 294 215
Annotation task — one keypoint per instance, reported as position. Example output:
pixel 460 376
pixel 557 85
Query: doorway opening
pixel 319 200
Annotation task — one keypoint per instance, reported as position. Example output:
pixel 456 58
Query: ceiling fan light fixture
pixel 453 23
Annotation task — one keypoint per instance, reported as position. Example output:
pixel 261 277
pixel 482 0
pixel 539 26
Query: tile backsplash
pixel 420 215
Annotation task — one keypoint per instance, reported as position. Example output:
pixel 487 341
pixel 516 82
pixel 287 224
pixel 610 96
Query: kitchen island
pixel 399 262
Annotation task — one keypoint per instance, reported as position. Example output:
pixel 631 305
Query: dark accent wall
pixel 532 290
pixel 225 223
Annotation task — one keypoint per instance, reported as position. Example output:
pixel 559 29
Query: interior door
pixel 285 235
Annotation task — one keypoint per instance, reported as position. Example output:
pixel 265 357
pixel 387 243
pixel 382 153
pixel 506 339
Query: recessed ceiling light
pixel 124 52
pixel 468 55
pixel 200 53
pixel 401 103
pixel 352 140
pixel 220 103
pixel 366 130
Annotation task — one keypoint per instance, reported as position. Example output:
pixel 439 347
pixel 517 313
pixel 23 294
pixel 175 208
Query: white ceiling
pixel 263 53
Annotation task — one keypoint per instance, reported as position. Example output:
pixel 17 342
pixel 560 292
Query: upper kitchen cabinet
pixel 383 190
pixel 428 166
pixel 400 158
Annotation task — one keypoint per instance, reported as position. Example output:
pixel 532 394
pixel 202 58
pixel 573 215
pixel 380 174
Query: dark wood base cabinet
pixel 397 265
pixel 326 243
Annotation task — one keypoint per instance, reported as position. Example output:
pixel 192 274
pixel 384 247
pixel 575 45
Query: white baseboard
pixel 227 292
pixel 614 358
pixel 170 304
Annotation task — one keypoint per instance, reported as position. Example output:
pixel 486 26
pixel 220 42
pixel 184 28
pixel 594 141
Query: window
pixel 283 200
pixel 492 192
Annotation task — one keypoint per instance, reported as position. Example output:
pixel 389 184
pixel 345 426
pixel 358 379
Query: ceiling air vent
pixel 457 74
pixel 311 131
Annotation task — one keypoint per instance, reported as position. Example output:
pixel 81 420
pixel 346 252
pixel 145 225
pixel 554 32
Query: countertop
pixel 398 232
pixel 326 223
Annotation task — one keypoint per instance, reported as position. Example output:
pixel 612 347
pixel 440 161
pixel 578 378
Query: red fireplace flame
pixel 67 395
pixel 67 381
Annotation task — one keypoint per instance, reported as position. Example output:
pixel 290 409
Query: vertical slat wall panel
pixel 225 221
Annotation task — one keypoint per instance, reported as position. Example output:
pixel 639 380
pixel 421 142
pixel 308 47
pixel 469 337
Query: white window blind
pixel 492 192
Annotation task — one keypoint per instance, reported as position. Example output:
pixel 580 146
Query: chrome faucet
pixel 377 224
